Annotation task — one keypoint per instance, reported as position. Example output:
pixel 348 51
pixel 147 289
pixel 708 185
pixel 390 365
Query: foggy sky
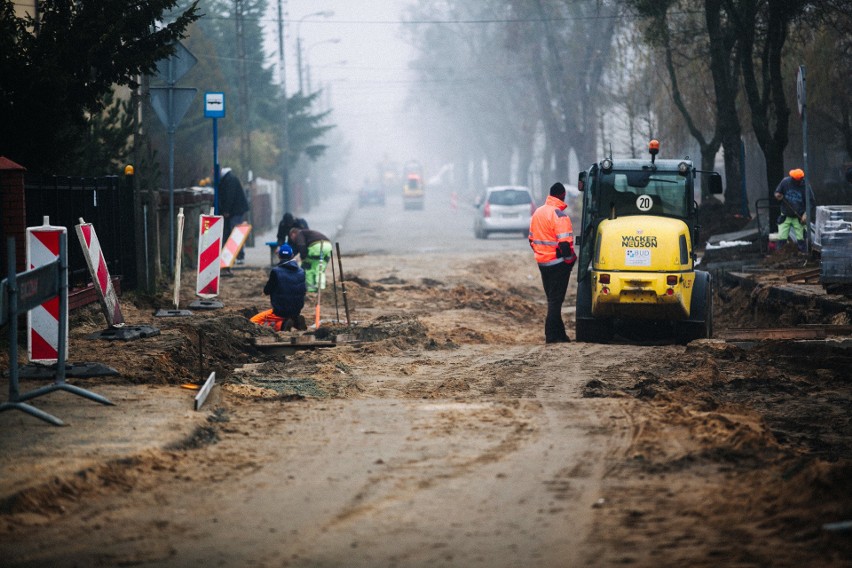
pixel 365 75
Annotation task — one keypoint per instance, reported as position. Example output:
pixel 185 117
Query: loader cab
pixel 619 188
pixel 613 189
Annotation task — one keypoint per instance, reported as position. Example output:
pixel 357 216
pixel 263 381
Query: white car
pixel 504 209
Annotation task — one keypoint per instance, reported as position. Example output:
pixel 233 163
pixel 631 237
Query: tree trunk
pixel 768 107
pixel 553 135
pixel 733 170
pixel 574 95
pixel 499 163
pixel 708 148
pixel 598 47
pixel 779 22
pixel 723 68
pixel 525 156
pixel 708 164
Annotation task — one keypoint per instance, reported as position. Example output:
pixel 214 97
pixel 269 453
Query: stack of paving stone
pixel 834 238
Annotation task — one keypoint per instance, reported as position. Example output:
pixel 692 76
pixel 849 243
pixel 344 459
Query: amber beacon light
pixel 653 149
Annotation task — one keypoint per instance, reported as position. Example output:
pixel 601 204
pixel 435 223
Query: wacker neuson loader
pixel 636 249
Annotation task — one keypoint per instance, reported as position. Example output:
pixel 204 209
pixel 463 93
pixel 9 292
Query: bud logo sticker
pixel 637 257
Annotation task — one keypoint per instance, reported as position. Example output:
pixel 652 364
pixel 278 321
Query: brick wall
pixel 13 222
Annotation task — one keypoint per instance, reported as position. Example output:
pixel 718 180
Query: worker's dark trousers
pixel 555 280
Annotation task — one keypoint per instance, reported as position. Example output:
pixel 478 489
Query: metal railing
pixel 106 202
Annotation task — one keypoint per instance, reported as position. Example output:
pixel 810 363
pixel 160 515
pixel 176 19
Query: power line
pixel 328 22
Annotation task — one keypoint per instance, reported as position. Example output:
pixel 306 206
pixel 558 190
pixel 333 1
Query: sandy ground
pixel 443 433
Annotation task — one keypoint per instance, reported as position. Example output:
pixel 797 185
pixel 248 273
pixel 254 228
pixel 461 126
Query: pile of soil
pixel 770 418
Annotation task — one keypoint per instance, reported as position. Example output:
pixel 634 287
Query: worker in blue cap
pixel 286 290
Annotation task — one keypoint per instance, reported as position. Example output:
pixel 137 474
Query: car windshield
pixel 644 192
pixel 509 197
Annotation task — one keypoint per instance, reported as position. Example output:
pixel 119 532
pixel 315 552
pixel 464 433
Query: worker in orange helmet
pixel 794 218
pixel 552 241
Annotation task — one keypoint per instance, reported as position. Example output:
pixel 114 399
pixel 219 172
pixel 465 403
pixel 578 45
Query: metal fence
pixel 105 202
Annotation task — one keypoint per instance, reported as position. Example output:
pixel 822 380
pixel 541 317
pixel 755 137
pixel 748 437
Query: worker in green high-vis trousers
pixel 314 248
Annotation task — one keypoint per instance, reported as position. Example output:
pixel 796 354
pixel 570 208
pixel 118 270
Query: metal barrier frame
pixel 59 286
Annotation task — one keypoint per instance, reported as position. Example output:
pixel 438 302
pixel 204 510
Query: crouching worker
pixel 286 290
pixel 314 248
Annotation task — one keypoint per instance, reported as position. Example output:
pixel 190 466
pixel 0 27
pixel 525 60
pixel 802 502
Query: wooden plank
pixel 294 343
pixel 805 276
pixel 79 297
pixel 801 332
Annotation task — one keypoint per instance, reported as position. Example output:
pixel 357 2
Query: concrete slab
pixel 79 370
pixel 126 333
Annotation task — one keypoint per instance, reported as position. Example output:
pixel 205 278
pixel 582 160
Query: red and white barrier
pixel 43 321
pixel 99 273
pixel 209 246
pixel 236 240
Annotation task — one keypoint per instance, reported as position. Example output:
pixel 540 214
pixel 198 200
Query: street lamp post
pixel 325 102
pixel 321 14
pixel 285 143
pixel 308 58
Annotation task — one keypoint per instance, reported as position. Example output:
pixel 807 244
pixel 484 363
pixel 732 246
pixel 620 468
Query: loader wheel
pixel 700 323
pixel 594 330
pixel 589 329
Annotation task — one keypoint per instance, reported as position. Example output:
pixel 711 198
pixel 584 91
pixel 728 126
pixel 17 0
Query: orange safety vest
pixel 549 226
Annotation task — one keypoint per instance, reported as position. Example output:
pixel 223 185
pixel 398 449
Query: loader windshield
pixel 643 192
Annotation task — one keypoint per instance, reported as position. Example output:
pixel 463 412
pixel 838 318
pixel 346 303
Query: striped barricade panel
pixel 236 240
pixel 43 321
pixel 99 273
pixel 209 247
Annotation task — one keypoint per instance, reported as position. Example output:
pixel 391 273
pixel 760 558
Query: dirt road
pixel 448 434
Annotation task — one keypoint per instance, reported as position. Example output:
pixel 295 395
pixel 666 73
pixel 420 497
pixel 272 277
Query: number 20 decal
pixel 644 202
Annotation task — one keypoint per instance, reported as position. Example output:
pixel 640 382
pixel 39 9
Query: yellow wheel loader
pixel 636 249
pixel 413 192
pixel 414 189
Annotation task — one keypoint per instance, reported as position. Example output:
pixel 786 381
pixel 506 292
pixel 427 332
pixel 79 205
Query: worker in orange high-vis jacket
pixel 552 240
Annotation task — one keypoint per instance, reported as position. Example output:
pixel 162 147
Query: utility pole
pixel 801 95
pixel 299 60
pixel 36 17
pixel 285 145
pixel 321 13
pixel 245 127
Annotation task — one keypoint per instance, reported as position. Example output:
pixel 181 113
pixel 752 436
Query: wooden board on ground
pixel 800 332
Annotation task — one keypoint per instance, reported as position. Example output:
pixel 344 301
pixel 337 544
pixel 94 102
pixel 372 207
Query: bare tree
pixel 571 43
pixel 476 82
pixel 763 31
pixel 719 38
pixel 828 37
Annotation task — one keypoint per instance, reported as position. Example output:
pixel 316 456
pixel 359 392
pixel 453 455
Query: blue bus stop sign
pixel 214 105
